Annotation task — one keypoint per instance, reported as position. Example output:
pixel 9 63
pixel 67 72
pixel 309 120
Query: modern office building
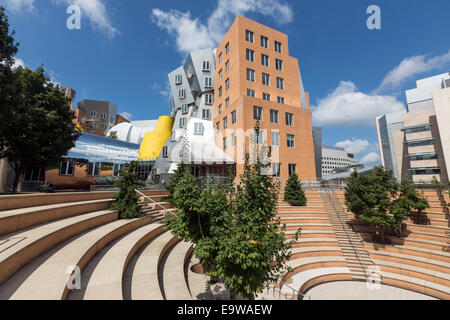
pixel 416 144
pixel 334 158
pixel 192 108
pixel 257 80
pixel 96 117
pixel 317 136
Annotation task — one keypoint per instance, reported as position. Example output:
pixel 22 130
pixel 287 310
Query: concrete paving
pixel 353 290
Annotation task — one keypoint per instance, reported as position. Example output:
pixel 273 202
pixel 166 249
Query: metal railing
pixel 166 211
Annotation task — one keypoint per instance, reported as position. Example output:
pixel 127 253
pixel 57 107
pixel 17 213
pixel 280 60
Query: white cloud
pixel 191 34
pixel 411 67
pixel 127 115
pixel 95 11
pixel 346 106
pixel 371 158
pixel 18 63
pixel 355 146
pixel 20 6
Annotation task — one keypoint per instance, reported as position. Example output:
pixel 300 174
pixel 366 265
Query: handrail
pixel 347 235
pixel 156 203
pixel 295 291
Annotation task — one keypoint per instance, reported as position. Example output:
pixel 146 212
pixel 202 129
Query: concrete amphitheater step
pixel 309 226
pixel 46 277
pixel 418 285
pixel 428 228
pixel 308 220
pixel 20 248
pixel 304 264
pixel 11 202
pixel 173 266
pixel 301 282
pixel 309 209
pixel 142 277
pixel 304 252
pixel 414 251
pixel 415 272
pixel 316 242
pixel 429 236
pixel 17 219
pixel 299 215
pixel 105 271
pixel 174 278
pixel 311 233
pixel 417 261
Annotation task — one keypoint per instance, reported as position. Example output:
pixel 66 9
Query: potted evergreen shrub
pixel 293 193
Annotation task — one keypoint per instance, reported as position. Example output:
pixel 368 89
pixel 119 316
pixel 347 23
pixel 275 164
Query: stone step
pixel 174 280
pixel 46 278
pixel 18 219
pixel 142 276
pixel 104 274
pixel 20 248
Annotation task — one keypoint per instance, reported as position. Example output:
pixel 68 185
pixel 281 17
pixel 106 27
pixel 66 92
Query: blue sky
pixel 125 49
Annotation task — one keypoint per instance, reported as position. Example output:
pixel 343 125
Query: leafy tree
pixel 174 180
pixel 293 192
pixel 188 224
pixel 408 199
pixel 253 247
pixel 126 200
pixel 8 49
pixel 39 130
pixel 371 196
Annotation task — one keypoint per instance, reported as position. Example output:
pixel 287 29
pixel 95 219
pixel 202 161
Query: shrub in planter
pixel 293 192
pixel 126 200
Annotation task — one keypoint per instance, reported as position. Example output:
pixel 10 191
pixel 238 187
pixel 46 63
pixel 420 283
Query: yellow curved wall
pixel 154 141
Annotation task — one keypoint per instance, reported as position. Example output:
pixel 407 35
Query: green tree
pixel 408 199
pixel 39 131
pixel 293 192
pixel 372 196
pixel 126 200
pixel 253 249
pixel 191 222
pixel 8 49
pixel 174 180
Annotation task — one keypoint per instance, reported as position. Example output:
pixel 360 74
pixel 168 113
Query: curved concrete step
pixel 46 277
pixel 306 234
pixel 305 252
pixel 303 281
pixel 414 251
pixel 103 275
pixel 18 219
pixel 22 247
pixel 141 280
pixel 316 242
pixel 418 285
pixel 415 272
pixel 428 228
pixel 417 261
pixel 174 279
pixel 11 202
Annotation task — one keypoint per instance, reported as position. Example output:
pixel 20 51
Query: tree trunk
pixel 17 178
pixel 419 213
pixel 232 295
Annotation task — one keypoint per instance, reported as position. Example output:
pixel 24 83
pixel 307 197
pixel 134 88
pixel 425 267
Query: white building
pixel 335 158
pixel 192 106
pixel 133 131
pixel 416 144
